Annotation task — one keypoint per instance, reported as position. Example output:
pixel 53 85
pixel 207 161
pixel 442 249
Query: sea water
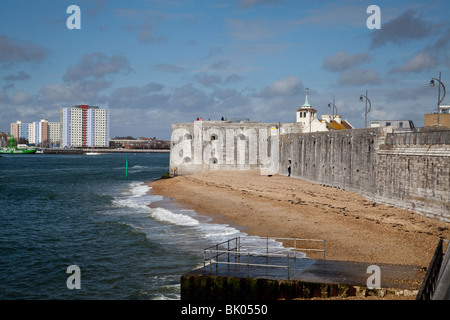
pixel 62 210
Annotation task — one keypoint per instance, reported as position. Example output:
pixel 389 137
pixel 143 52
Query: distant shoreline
pixel 83 151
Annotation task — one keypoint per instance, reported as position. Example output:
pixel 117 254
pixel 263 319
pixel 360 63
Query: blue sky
pixel 154 63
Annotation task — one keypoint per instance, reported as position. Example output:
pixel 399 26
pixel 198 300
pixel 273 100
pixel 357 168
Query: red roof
pixel 307 109
pixel 346 124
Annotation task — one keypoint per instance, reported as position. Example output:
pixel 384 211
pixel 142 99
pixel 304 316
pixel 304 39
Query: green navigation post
pixel 126 167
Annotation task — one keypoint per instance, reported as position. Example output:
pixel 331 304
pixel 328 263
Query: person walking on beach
pixel 289 168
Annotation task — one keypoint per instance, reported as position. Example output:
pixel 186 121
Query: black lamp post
pixel 366 110
pixel 439 94
pixel 334 114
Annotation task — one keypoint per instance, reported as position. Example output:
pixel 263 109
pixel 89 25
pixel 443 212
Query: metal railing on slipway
pixel 430 281
pixel 240 252
pixel 418 138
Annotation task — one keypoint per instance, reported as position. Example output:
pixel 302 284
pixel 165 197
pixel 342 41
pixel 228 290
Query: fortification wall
pixel 221 145
pixel 344 158
pixel 414 177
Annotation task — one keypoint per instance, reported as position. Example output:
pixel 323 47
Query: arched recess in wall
pixel 187 136
pixel 213 160
pixel 241 137
pixel 214 137
pixel 186 159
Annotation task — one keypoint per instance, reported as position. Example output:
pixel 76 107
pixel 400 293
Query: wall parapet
pixel 425 137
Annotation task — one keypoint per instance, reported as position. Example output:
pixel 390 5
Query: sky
pixel 153 63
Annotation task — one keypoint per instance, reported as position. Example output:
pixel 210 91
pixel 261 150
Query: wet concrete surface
pixel 318 271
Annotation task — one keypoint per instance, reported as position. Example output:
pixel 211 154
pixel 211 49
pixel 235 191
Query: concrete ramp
pixel 308 279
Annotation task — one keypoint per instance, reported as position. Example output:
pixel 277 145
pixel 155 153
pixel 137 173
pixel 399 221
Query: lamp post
pixel 370 106
pixel 334 114
pixel 439 95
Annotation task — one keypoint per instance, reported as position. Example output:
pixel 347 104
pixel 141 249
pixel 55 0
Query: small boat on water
pixel 20 149
pixel 92 153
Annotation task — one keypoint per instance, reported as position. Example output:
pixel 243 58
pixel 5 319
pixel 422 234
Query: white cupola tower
pixel 306 115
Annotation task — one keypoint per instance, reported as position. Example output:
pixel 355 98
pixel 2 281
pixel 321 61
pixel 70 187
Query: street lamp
pixel 370 106
pixel 439 94
pixel 334 108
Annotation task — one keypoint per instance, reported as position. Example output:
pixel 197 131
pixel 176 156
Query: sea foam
pixel 167 216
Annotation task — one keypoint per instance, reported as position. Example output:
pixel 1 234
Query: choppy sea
pixel 58 211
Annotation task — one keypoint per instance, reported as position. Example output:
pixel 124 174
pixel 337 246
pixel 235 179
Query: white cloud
pixel 335 15
pixel 96 65
pixel 358 77
pixel 73 93
pixel 404 28
pixel 146 30
pixel 429 58
pixel 170 68
pixel 285 87
pixel 256 30
pixel 252 3
pixel 343 61
pixel 21 75
pixel 421 61
pixel 20 97
pixel 208 80
pixel 12 50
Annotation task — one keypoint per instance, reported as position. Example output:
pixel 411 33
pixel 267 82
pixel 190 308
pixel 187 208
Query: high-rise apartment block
pixel 42 133
pixel 79 126
pixel 84 126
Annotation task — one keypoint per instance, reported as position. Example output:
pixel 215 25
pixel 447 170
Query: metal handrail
pixel 429 283
pixel 240 250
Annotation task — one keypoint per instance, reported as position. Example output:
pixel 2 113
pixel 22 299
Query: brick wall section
pixel 431 119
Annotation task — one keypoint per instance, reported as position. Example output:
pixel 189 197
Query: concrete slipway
pixel 305 278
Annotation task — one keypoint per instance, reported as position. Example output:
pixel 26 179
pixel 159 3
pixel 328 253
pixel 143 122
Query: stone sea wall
pixel 414 176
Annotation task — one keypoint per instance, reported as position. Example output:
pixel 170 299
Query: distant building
pixel 307 118
pixel 20 129
pixel 337 123
pixel 3 139
pixel 54 134
pixel 396 124
pixel 444 118
pixel 15 129
pixel 36 132
pixel 33 133
pixel 84 126
pixel 139 143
